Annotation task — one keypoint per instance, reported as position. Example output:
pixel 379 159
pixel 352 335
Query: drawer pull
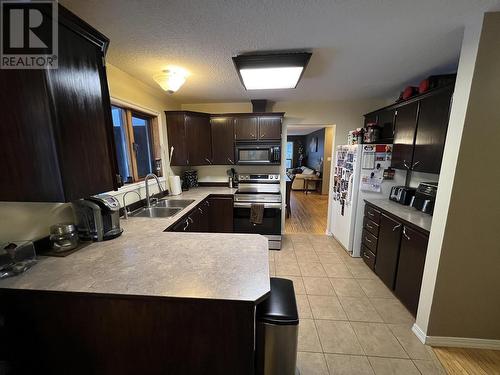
pixel 366 256
pixel 371 214
pixel 367 240
pixel 396 227
pixel 369 226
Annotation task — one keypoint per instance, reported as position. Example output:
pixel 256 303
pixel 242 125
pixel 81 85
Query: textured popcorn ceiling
pixel 361 48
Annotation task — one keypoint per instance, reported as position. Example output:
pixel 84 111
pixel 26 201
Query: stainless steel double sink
pixel 163 208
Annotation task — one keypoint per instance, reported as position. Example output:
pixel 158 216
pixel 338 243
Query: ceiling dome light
pixel 171 80
pixel 271 71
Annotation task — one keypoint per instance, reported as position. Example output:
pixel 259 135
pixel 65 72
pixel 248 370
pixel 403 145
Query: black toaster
pixel 402 194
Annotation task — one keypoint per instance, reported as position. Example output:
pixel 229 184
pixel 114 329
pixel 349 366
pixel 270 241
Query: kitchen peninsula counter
pixel 163 301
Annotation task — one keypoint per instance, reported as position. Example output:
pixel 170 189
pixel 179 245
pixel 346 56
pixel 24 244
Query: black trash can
pixel 277 331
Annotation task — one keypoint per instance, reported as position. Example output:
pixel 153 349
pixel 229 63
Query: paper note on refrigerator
pixel 372 184
pixel 368 160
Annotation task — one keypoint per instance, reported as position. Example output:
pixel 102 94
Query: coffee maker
pixel 98 218
pixel 425 197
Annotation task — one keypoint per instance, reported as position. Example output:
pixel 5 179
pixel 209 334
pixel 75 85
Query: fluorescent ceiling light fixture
pixel 171 79
pixel 272 71
pixel 271 78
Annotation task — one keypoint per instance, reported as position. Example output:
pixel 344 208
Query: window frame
pixel 286 153
pixel 153 141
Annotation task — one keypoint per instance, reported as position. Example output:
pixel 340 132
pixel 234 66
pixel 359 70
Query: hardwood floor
pixel 309 213
pixel 469 361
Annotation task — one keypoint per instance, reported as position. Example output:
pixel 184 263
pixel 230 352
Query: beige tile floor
pixel 350 322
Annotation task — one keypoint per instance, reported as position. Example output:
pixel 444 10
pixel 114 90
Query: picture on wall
pixel 313 145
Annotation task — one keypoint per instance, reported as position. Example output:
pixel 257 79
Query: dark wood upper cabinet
pixel 388 250
pixel 417 128
pixel 404 136
pixel 204 139
pixel 222 140
pixel 83 132
pixel 371 118
pixel 56 138
pixel 431 132
pixel 198 139
pixel 189 134
pixel 411 268
pixel 246 128
pixel 385 121
pixel 176 130
pixel 270 127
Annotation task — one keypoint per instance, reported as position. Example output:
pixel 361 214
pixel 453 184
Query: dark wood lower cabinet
pixel 411 268
pixel 221 214
pixel 400 254
pixel 388 250
pixel 84 333
pixel 214 214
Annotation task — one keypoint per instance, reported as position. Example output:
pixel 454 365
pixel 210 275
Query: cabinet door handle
pixel 416 163
pixel 366 256
pixel 186 226
pixel 190 220
pixel 201 211
pixel 404 234
pixel 396 227
pixel 367 240
pixel 229 160
pixel 369 226
pixel 207 203
pixel 371 214
pixel 406 165
pixel 252 135
pixel 262 135
pixel 208 160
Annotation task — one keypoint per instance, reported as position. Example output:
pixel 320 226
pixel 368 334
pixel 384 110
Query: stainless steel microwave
pixel 258 153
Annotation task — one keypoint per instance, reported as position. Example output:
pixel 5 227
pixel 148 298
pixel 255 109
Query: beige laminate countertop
pixel 407 213
pixel 146 261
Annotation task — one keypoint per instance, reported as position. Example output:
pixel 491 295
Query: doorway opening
pixel 307 164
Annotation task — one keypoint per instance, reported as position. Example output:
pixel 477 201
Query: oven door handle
pixel 249 204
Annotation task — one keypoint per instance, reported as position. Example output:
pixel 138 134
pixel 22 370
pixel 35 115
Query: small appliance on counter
pixel 16 258
pixel 425 197
pixel 98 218
pixel 402 194
pixel 63 237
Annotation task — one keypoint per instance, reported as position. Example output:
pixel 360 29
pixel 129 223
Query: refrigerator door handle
pixel 349 189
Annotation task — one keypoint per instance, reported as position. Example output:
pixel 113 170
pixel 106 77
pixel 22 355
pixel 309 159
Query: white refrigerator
pixel 358 175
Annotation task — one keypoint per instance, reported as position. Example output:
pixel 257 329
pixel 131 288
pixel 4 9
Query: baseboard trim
pixel 419 333
pixel 455 342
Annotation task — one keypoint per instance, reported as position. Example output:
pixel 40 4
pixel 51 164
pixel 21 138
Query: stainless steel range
pixel 264 189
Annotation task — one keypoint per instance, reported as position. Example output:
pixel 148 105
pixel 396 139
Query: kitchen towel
pixel 256 213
